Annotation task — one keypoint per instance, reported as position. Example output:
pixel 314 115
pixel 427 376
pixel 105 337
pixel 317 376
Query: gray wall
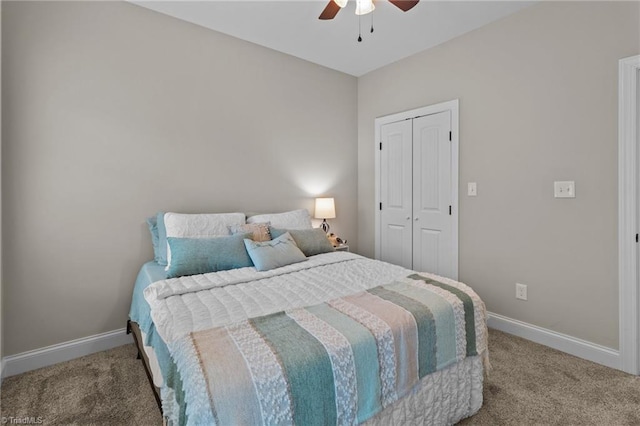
pixel 538 103
pixel 113 112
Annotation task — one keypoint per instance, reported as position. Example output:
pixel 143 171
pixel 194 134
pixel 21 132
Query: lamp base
pixel 325 226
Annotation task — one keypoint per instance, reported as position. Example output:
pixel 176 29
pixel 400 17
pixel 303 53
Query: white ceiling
pixel 293 27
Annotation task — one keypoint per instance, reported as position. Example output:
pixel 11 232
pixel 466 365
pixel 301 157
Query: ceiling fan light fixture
pixel 341 3
pixel 364 6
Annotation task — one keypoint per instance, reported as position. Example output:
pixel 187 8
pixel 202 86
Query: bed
pixel 335 338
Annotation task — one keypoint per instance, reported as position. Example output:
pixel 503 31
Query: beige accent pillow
pixel 260 231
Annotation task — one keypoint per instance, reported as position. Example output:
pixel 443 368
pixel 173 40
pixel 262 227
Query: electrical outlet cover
pixel 521 291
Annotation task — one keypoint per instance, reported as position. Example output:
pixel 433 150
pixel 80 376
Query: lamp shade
pixel 325 208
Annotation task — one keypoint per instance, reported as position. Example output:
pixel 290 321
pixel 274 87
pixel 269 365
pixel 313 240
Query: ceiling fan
pixel 362 8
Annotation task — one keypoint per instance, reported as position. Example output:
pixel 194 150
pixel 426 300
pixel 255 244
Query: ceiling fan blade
pixel 330 11
pixel 404 5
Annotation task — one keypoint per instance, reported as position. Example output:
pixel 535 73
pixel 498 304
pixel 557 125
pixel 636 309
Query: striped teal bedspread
pixel 339 362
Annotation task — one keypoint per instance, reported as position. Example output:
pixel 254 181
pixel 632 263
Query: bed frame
pixel 134 328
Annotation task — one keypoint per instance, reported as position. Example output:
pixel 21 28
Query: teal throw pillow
pixel 191 256
pixel 158 238
pixel 152 223
pixel 272 254
pixel 310 241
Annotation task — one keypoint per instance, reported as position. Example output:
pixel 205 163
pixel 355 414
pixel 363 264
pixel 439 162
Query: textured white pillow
pixel 296 219
pixel 181 225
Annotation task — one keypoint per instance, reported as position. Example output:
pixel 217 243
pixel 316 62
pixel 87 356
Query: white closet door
pixel 396 193
pixel 432 220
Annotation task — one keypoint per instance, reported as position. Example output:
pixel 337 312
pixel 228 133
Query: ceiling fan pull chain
pixel 359 28
pixel 371 22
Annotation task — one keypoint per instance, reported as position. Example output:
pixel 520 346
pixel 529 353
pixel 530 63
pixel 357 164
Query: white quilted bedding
pixel 199 302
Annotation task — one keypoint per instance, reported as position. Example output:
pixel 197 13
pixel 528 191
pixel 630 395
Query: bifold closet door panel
pixel 396 193
pixel 432 220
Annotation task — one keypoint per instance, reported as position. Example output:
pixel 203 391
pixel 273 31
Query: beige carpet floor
pixel 529 385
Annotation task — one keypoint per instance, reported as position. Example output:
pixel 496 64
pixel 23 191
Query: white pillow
pixel 296 219
pixel 199 226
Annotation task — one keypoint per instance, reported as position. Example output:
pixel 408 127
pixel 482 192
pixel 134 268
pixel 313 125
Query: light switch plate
pixel 564 189
pixel 472 189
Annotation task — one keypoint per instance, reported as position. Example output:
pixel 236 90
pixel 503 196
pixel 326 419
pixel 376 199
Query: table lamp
pixel 325 209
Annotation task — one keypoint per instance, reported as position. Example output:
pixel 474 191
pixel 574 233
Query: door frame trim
pixel 453 108
pixel 628 211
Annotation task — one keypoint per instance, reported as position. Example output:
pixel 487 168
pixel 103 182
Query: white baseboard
pixel 31 360
pixel 562 342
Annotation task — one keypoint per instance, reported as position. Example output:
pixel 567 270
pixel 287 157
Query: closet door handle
pixel 408 217
pixel 417 218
